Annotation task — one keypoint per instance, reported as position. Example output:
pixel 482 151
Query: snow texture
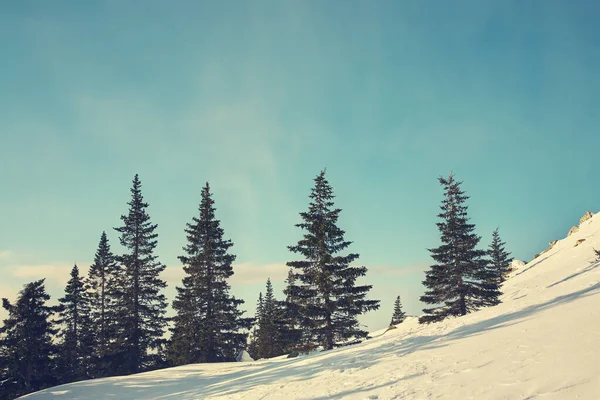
pixel 541 342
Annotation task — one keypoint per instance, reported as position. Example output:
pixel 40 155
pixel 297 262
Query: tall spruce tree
pixel 76 347
pixel 102 277
pixel 326 291
pixel 459 282
pixel 26 348
pixel 141 306
pixel 269 329
pixel 499 259
pixel 208 323
pixel 399 316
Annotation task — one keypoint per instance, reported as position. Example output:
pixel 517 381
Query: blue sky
pixel 258 97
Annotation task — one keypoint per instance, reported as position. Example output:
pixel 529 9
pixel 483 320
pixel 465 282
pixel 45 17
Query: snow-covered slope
pixel 542 342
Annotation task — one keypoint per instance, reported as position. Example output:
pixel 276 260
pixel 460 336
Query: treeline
pixel 113 321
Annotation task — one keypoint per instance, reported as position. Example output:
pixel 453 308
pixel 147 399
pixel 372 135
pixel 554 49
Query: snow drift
pixel 541 342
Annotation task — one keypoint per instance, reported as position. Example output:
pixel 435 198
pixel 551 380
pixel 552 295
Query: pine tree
pixel 291 301
pixel 459 282
pixel 269 320
pixel 329 299
pixel 399 315
pixel 254 337
pixel 259 308
pixel 141 306
pixel 289 317
pixel 500 259
pixel 208 323
pixel 253 344
pixel 102 277
pixel 76 347
pixel 26 349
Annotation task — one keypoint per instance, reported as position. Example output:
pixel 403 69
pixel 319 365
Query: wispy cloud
pixel 248 278
pixel 251 273
pixel 395 270
pixel 55 274
pixel 16 275
pixel 5 254
pixel 246 273
pixel 8 292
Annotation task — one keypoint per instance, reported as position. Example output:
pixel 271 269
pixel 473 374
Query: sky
pixel 258 97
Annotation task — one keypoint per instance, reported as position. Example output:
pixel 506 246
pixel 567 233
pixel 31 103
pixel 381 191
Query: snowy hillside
pixel 543 342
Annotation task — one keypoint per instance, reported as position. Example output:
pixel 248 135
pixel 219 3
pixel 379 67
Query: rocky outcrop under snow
pixel 587 216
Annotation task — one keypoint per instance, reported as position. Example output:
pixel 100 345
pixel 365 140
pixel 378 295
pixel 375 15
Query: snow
pixel 541 342
pixel 243 357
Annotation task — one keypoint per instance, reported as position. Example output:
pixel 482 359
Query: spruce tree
pixel 269 329
pixel 76 346
pixel 459 282
pixel 102 277
pixel 399 315
pixel 259 309
pixel 254 337
pixel 289 317
pixel 26 348
pixel 291 303
pixel 326 291
pixel 141 306
pixel 500 259
pixel 253 344
pixel 208 323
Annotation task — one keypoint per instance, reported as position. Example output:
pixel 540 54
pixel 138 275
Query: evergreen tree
pixel 499 259
pixel 26 349
pixel 102 277
pixel 460 281
pixel 76 347
pixel 399 315
pixel 208 323
pixel 259 308
pixel 291 301
pixel 329 299
pixel 269 301
pixel 253 344
pixel 254 337
pixel 141 306
pixel 269 319
pixel 289 317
